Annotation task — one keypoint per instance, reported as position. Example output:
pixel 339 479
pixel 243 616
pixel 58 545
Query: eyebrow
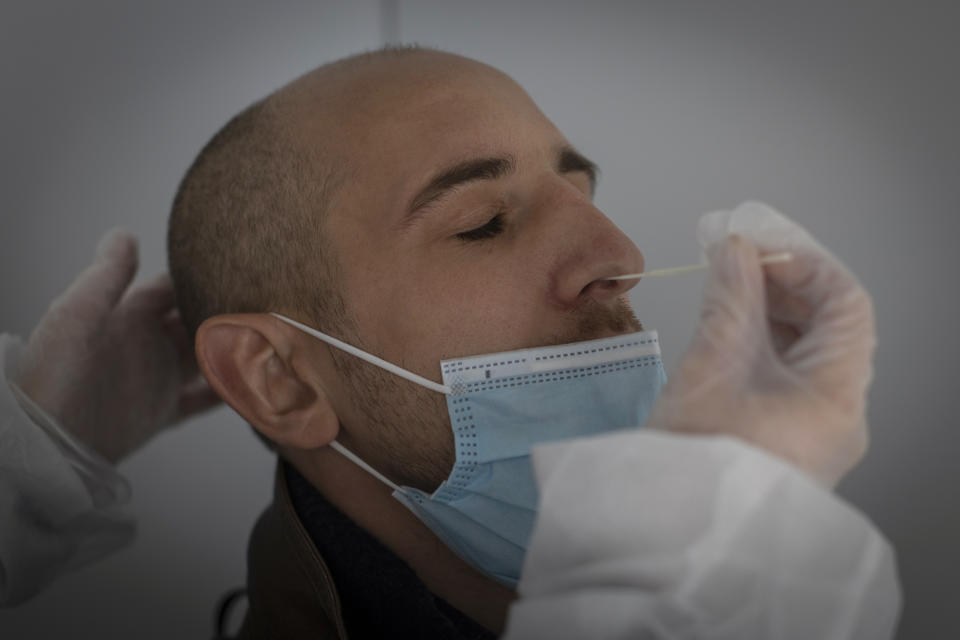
pixel 469 171
pixel 491 168
pixel 571 160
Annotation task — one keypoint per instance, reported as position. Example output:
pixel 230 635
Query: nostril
pixel 599 286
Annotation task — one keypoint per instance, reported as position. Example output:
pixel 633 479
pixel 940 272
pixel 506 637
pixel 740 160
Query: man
pixel 418 206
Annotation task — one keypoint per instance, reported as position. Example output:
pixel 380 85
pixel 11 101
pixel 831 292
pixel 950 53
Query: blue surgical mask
pixel 500 406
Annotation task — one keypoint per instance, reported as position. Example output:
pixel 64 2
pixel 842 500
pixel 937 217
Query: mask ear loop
pixel 372 359
pixel 350 455
pixel 379 362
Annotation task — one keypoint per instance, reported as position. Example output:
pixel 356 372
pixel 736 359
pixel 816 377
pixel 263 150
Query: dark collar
pixel 381 596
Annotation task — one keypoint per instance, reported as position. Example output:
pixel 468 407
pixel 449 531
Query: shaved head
pixel 246 230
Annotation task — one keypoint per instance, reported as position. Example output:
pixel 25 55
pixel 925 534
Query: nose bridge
pixel 590 247
pixel 605 235
pixel 580 216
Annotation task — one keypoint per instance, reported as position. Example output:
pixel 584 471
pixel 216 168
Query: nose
pixel 595 249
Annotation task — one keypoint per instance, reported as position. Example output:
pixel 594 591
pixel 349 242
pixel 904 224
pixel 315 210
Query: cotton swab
pixel 774 258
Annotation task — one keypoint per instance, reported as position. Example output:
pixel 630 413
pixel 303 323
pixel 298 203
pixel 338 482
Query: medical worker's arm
pixel 107 367
pixel 716 520
pixel 659 536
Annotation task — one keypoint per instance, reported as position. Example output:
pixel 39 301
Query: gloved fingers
pixel 783 335
pixel 724 349
pixel 734 302
pixel 788 315
pixel 770 231
pixel 101 285
pixel 811 279
pixel 765 227
pixel 799 289
pixel 152 297
pixel 835 346
pixel 180 337
pixel 196 396
pixel 821 296
pixel 821 319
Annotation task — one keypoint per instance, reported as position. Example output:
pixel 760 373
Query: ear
pixel 248 361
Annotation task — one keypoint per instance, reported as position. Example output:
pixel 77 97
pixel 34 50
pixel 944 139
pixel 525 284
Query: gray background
pixel 843 116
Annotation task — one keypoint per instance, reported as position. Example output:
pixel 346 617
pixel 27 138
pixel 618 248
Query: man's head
pixel 413 203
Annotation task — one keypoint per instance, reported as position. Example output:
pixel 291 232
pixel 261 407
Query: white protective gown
pixel 650 535
pixel 61 505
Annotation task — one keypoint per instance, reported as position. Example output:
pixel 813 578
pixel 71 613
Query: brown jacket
pixel 290 589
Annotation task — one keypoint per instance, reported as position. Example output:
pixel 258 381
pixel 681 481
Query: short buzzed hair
pixel 246 228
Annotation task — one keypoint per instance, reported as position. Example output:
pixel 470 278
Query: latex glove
pixel 113 366
pixel 783 354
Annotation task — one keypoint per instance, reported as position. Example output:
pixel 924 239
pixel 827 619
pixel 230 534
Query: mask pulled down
pixel 500 405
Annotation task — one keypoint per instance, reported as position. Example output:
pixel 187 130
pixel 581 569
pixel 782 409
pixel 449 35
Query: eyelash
pixel 491 229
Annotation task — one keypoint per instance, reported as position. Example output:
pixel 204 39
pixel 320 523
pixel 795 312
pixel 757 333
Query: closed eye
pixel 491 229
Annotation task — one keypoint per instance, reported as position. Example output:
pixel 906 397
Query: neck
pixel 369 503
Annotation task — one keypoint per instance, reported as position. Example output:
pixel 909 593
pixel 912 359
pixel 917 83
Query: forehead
pixel 400 120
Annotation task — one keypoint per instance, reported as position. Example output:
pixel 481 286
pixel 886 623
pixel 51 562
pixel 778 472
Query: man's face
pixel 464 225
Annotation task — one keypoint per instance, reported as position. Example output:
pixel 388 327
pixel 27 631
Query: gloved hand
pixel 783 354
pixel 113 366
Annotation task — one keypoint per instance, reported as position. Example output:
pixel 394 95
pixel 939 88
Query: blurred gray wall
pixel 842 115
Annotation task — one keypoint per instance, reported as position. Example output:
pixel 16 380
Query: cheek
pixel 475 310
pixel 457 312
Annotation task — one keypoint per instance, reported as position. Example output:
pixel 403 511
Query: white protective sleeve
pixel 61 505
pixel 651 535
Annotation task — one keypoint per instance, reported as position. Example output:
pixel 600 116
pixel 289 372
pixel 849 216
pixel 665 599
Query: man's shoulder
pixel 290 589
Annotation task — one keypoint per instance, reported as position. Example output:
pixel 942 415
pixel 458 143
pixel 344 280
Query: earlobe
pixel 246 358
